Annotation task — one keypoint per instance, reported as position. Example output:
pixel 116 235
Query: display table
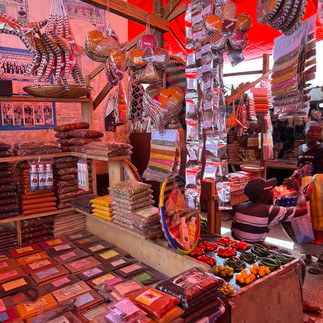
pixel 273 298
pixel 275 163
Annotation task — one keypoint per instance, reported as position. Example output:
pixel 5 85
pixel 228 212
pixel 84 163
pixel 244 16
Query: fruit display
pixel 237 262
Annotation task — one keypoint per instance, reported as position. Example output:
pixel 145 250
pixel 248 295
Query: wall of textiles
pixel 83 18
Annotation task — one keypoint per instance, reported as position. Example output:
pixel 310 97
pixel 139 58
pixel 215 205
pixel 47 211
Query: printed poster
pixel 17 9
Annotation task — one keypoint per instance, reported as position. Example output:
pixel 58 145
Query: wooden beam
pixel 265 63
pixel 101 96
pixel 169 8
pixel 242 73
pixel 131 12
pixel 177 12
pixel 96 71
pixel 158 8
pixel 246 88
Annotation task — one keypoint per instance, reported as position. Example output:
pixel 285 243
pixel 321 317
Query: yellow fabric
pixel 103 200
pixel 103 213
pixel 316 199
pixel 102 208
pixel 170 148
pixel 305 181
pixel 108 218
pixel 163 157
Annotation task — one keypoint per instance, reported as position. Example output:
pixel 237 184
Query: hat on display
pixel 256 185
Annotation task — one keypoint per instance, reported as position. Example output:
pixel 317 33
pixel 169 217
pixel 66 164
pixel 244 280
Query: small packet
pixel 223 191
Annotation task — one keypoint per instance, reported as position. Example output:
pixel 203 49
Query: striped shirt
pixel 252 221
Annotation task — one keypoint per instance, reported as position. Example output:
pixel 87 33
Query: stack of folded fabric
pixel 248 175
pixel 101 207
pixel 261 98
pixel 83 203
pixel 164 159
pixel 128 197
pixel 65 181
pixel 4 150
pixel 8 196
pixel 30 148
pixel 37 229
pixel 8 237
pixel 108 149
pixel 33 202
pixel 68 223
pixel 197 291
pixel 73 136
pixel 238 181
pixel 146 222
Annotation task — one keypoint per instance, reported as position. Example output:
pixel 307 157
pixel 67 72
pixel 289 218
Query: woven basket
pixel 57 91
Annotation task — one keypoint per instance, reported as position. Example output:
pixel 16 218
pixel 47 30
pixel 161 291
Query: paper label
pixel 8 274
pixel 148 297
pixel 25 249
pixel 4 317
pixel 92 314
pixel 14 284
pixel 118 262
pixel 96 248
pixel 92 272
pixel 2 306
pixel 53 242
pixel 34 306
pixel 60 282
pixel 109 254
pixel 83 299
pixel 113 281
pixel 83 240
pixel 39 264
pixel 142 277
pixel 80 263
pixel 76 236
pixel 3 265
pixel 71 289
pixel 103 278
pixel 62 247
pixel 127 287
pixel 124 308
pixel 67 255
pixel 33 257
pixel 47 272
pixel 130 268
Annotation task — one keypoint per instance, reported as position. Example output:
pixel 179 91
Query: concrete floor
pixel 313 285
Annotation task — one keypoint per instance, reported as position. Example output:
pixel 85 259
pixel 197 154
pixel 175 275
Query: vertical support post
pixel 19 235
pixel 158 11
pixel 115 171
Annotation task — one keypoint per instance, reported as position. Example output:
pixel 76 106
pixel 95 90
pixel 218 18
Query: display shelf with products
pixel 22 98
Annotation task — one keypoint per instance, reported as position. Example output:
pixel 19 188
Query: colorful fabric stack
pixel 238 181
pixel 8 237
pixel 197 299
pixel 294 65
pixel 68 223
pixel 261 99
pixel 33 202
pixel 83 203
pixel 31 148
pixel 127 198
pixel 8 196
pixel 66 182
pixel 164 160
pixel 101 207
pixel 73 136
pixel 108 149
pixel 146 222
pixel 37 229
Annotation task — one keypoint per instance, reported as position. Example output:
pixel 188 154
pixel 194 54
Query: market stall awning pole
pixel 131 12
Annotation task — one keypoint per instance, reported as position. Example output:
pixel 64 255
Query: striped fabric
pixel 316 199
pixel 252 221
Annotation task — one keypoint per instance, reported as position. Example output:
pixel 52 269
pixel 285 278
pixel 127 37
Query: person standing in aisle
pixel 310 163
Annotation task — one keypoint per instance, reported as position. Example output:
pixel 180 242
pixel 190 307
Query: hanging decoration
pixel 294 66
pixel 285 16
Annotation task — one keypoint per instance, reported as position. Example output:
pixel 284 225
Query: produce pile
pixel 238 262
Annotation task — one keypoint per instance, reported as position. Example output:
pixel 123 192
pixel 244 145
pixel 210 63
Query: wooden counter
pixel 277 164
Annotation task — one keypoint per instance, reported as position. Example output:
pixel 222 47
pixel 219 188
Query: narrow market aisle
pixel 313 286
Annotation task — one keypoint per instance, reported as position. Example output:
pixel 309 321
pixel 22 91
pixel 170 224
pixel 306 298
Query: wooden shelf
pixel 97 157
pixel 14 159
pixel 37 215
pixel 279 164
pixel 27 98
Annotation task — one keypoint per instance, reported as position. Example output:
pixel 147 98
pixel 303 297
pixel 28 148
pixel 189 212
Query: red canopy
pixel 261 37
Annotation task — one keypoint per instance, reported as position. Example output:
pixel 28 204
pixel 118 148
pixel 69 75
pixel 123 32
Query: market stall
pixel 127 254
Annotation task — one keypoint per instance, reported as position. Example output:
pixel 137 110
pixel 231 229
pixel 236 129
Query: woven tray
pixel 57 91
